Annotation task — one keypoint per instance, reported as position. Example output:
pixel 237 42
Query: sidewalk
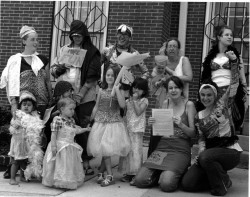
pixel 238 176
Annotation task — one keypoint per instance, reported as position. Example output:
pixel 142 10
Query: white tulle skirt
pixel 108 139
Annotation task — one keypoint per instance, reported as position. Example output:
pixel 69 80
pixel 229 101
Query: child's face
pixel 110 78
pixel 27 107
pixel 68 110
pixel 160 68
pixel 137 91
pixel 68 94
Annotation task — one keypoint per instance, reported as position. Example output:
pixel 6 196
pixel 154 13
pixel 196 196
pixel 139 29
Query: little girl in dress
pixel 108 136
pixel 25 149
pixel 62 167
pixel 136 107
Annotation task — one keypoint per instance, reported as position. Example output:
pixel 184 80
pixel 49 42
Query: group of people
pixel 93 116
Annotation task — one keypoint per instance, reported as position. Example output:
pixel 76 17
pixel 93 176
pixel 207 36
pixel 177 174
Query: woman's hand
pixel 231 55
pixel 177 120
pixel 151 120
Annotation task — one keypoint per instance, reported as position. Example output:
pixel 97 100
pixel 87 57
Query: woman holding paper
pixel 172 156
pixel 28 71
pixel 83 79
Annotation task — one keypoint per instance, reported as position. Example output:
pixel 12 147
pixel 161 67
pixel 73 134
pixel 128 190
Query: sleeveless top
pixel 184 118
pixel 179 72
pixel 108 108
pixel 221 71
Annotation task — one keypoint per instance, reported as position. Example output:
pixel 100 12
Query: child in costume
pixel 108 136
pixel 136 107
pixel 25 147
pixel 158 79
pixel 63 89
pixel 62 167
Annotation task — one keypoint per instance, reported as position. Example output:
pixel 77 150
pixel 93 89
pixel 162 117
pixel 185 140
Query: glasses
pixel 172 46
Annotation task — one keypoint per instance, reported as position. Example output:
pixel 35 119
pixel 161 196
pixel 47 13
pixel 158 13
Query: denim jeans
pixel 167 180
pixel 211 171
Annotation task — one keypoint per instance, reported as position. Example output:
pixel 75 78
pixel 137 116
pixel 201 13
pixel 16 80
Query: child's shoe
pixel 100 178
pixel 126 178
pixel 132 182
pixel 109 180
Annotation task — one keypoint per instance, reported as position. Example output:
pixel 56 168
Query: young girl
pixel 62 166
pixel 63 89
pixel 26 130
pixel 108 135
pixel 136 107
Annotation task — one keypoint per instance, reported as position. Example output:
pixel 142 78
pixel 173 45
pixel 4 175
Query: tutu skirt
pixel 108 139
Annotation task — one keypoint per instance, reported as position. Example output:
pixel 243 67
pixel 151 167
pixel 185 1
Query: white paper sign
pixel 163 125
pixel 71 56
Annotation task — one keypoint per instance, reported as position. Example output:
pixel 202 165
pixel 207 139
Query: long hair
pixel 206 73
pixel 115 70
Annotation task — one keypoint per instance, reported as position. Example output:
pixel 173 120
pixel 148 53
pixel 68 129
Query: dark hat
pixel 78 27
pixel 62 87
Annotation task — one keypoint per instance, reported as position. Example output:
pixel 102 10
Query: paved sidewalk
pixel 91 189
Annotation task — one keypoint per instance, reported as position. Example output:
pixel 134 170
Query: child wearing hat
pixel 158 79
pixel 25 148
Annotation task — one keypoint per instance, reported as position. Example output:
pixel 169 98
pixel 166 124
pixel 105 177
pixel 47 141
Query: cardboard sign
pixel 73 57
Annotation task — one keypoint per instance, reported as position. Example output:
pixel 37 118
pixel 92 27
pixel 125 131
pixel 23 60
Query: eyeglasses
pixel 172 46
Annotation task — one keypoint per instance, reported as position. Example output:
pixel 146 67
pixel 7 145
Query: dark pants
pixel 211 171
pixel 83 112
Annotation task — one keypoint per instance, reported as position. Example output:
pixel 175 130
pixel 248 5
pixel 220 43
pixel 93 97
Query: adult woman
pixel 222 65
pixel 177 65
pixel 83 79
pixel 218 147
pixel 28 71
pixel 172 155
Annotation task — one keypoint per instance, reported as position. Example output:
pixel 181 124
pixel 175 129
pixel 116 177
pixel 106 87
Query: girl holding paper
pixel 172 156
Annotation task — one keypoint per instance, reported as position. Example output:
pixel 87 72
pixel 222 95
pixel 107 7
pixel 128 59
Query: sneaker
pixel 109 180
pixel 126 178
pixel 100 178
pixel 132 182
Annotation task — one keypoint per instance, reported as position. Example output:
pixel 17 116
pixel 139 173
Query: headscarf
pixel 78 27
pixel 211 86
pixel 25 30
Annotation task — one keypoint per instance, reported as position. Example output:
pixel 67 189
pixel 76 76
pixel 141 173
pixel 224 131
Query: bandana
pixel 25 30
pixel 211 86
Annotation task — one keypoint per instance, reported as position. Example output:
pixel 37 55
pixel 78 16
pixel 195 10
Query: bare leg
pixel 13 171
pixel 102 167
pixel 107 161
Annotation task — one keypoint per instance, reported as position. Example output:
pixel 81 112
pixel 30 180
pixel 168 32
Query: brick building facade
pixel 153 22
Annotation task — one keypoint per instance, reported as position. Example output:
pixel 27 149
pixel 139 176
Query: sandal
pixel 100 178
pixel 109 180
pixel 89 171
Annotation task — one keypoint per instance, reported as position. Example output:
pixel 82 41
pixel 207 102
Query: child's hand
pixel 151 120
pixel 135 96
pixel 53 149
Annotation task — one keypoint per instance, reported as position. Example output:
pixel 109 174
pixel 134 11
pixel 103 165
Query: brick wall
pixel 194 42
pixel 15 14
pixel 152 25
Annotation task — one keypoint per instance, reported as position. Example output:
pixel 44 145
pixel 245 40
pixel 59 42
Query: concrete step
pixel 244 142
pixel 244 157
